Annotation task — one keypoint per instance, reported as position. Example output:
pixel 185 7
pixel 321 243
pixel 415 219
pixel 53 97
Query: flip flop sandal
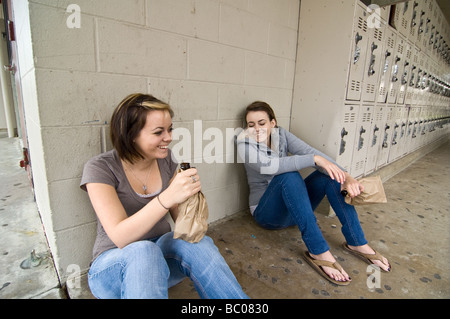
pixel 367 257
pixel 317 266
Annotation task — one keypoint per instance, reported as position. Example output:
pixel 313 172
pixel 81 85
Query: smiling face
pixel 156 135
pixel 260 126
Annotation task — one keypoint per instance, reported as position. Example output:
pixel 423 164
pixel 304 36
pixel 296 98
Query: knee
pixel 293 177
pixel 142 252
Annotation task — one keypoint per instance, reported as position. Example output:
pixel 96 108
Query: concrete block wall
pixel 207 58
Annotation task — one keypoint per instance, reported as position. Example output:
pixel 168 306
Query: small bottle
pixel 185 166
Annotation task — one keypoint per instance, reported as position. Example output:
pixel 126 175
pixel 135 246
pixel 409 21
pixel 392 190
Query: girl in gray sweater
pixel 279 197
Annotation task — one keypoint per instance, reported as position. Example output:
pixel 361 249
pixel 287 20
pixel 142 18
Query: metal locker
pixel 346 136
pixel 358 57
pixel 398 134
pixel 386 135
pixel 373 63
pixel 362 140
pixel 374 139
pixel 414 128
pixel 386 65
pixel 405 74
pixel 411 85
pixel 414 25
pixel 397 69
pixel 402 137
pixel 402 17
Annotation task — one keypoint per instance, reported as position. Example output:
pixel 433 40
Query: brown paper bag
pixel 373 192
pixel 192 221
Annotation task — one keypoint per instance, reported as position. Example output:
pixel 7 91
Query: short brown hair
pixel 260 106
pixel 129 118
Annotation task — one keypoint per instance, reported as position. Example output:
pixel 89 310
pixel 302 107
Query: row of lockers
pixel 374 135
pixel 394 96
pixel 390 67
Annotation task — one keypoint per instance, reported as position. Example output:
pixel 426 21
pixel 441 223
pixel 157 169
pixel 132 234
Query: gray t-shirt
pixel 107 168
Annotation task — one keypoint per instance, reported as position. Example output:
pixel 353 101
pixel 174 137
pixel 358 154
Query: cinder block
pixel 130 10
pixel 275 11
pixel 70 205
pixel 57 46
pixel 242 29
pixel 233 100
pixel 74 249
pixel 194 18
pixel 216 62
pixel 67 149
pixel 222 202
pixel 265 70
pixel 282 42
pixel 190 100
pixel 126 49
pixel 80 98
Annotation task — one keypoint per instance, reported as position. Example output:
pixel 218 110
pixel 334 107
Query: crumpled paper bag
pixel 192 222
pixel 373 192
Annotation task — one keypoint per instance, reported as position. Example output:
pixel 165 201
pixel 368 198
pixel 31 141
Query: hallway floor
pixel 412 230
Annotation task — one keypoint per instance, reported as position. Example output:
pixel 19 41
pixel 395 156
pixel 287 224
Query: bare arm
pixel 123 230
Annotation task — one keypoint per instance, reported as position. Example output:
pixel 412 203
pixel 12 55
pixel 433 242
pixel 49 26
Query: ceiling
pixel 445 7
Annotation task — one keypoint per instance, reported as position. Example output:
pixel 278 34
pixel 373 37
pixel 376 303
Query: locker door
pixel 358 57
pixel 411 85
pixel 375 139
pixel 402 17
pixel 415 128
pixel 402 138
pixel 405 75
pixel 412 36
pixel 396 135
pixel 362 140
pixel 386 135
pixel 373 63
pixel 386 65
pixel 346 136
pixel 397 69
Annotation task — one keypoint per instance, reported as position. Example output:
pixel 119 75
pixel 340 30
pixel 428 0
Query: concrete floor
pixel 412 230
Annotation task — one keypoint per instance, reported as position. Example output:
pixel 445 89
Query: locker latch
pixel 374 140
pixel 357 48
pixel 385 144
pixel 361 139
pixel 342 148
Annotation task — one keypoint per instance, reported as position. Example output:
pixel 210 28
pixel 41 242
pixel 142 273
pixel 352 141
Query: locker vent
pixel 360 165
pixel 408 54
pixel 355 86
pixel 349 117
pixel 400 48
pixel 378 34
pixel 390 42
pixel 370 88
pixel 404 23
pixel 362 24
pixel 367 117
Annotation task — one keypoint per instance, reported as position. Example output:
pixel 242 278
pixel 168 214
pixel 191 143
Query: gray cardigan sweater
pixel 263 163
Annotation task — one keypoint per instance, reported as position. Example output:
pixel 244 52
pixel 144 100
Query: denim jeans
pixel 146 269
pixel 289 200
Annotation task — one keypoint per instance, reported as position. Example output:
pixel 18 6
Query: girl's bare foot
pixel 366 249
pixel 331 272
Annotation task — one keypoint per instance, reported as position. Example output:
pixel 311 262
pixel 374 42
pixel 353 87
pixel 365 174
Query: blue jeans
pixel 289 200
pixel 146 269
